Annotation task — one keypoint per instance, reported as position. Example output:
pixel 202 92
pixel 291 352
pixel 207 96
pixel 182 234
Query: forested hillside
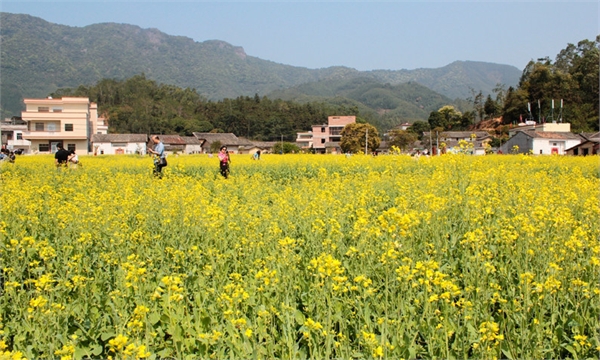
pixel 38 57
pixel 140 105
pixel 386 105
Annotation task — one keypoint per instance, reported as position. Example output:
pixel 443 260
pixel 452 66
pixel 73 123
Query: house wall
pixel 550 147
pixel 521 140
pixel 193 149
pixel 81 146
pixel 554 127
pixel 340 120
pixel 319 136
pixel 588 148
pixel 106 148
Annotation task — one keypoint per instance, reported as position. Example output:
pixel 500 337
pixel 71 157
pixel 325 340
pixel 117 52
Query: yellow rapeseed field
pixel 301 257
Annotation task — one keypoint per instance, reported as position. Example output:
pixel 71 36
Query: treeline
pixel 564 90
pixel 572 77
pixel 140 105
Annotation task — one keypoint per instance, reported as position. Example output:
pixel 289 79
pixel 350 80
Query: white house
pixel 12 135
pixel 117 144
pixel 541 142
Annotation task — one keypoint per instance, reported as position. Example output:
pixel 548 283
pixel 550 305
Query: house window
pixel 322 141
pixel 19 136
pixel 541 151
pixel 56 109
pixel 68 127
pixel 118 145
pixel 9 136
pixel 44 147
pixel 39 126
pixel 323 129
pixel 71 147
pixel 43 109
pixel 51 127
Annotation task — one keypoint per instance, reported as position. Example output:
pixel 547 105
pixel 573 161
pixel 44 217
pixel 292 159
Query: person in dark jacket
pixel 61 157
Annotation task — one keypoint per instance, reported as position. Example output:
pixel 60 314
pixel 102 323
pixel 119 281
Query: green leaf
pixel 300 319
pixel 107 335
pixel 570 349
pixel 80 352
pixel 97 349
pixel 154 318
pixel 506 351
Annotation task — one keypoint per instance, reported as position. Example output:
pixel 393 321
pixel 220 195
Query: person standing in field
pixel 256 155
pixel 224 161
pixel 61 157
pixel 161 158
pixel 73 158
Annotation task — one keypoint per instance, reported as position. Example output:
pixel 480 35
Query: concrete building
pixel 304 140
pixel 69 121
pixel 542 139
pixel 11 131
pixel 541 142
pixel 325 138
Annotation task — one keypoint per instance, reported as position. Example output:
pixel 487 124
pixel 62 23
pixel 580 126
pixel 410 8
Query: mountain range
pixel 38 57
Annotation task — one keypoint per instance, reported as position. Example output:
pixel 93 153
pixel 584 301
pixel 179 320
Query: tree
pixel 515 105
pixel 418 128
pixel 288 148
pixel 490 108
pixel 215 146
pixel 447 117
pixel 354 136
pixel 402 139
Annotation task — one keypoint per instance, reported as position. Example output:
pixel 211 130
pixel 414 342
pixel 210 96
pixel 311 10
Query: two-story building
pixel 69 121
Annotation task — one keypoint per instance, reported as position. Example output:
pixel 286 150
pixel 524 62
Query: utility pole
pixel 430 145
pixel 366 140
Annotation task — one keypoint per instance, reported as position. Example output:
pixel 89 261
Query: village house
pixel 541 142
pixel 589 146
pixel 265 147
pixel 304 140
pixel 543 139
pixel 69 121
pixel 192 145
pixel 325 138
pixel 119 144
pixel 450 141
pixel 12 135
pixel 174 144
pixel 232 142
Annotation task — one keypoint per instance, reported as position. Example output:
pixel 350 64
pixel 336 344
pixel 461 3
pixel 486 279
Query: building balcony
pixel 19 143
pixel 53 116
pixel 58 135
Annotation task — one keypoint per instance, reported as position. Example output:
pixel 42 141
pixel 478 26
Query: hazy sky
pixel 359 34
